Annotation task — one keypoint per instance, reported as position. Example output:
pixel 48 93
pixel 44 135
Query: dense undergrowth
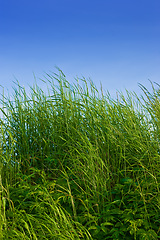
pixel 77 164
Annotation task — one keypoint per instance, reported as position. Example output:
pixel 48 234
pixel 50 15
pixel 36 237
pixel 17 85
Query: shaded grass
pixel 79 165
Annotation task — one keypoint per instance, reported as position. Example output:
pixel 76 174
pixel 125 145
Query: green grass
pixel 77 164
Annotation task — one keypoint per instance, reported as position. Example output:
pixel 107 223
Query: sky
pixel 115 42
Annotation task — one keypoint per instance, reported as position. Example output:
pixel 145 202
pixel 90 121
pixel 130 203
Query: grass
pixel 77 164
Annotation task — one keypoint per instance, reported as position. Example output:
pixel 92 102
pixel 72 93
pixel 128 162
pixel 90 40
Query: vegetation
pixel 77 164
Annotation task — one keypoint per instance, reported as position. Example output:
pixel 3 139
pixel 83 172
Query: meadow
pixel 76 163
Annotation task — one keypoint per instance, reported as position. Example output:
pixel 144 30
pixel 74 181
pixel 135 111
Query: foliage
pixel 79 165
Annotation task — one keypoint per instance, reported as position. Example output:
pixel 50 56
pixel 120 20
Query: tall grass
pixel 78 164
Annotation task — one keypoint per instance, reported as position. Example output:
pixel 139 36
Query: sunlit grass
pixel 77 164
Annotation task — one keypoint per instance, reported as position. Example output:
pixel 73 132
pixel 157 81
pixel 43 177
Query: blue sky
pixel 116 42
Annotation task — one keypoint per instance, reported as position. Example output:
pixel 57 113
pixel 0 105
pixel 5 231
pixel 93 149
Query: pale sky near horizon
pixel 113 42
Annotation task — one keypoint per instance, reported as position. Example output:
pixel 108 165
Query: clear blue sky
pixel 116 42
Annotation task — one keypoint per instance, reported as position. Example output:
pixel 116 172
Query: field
pixel 78 164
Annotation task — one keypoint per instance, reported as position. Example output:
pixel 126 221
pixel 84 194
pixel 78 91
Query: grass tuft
pixel 77 164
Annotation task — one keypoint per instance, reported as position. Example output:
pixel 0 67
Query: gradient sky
pixel 116 42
